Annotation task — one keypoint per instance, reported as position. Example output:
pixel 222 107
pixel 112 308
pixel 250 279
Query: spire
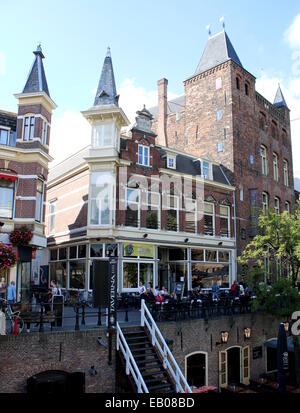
pixel 218 50
pixel 36 81
pixel 279 99
pixel 106 92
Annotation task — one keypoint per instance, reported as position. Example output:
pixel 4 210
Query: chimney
pixel 162 112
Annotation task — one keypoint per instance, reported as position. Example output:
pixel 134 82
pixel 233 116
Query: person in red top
pixel 160 298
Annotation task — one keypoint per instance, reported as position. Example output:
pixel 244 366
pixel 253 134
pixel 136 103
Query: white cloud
pixel 71 132
pixel 2 64
pixel 292 35
pixel 267 86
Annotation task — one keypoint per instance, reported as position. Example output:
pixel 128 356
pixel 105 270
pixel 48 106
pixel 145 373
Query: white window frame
pixel 213 214
pixel 265 205
pixel 4 128
pixel 98 135
pixel 285 173
pixel 208 166
pixel 174 209
pixel 143 155
pixel 52 215
pixel 13 188
pixel 277 205
pixel 39 214
pixel 138 203
pixel 226 217
pixel 264 160
pixel 156 207
pixel 275 167
pixel 44 132
pixel 287 207
pixel 138 262
pixel 31 127
pixel 190 211
pixel 171 158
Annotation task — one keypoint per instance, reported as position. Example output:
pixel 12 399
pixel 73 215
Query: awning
pixel 8 177
pixel 273 344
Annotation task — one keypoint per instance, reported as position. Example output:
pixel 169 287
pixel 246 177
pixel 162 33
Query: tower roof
pixel 36 81
pixel 106 91
pixel 218 50
pixel 279 100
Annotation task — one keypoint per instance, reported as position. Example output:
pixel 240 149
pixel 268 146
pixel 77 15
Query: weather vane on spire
pixel 208 29
pixel 222 21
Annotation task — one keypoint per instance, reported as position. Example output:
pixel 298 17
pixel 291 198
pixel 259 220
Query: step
pixel 160 386
pixel 141 330
pixel 155 373
pixel 145 337
pixel 139 356
pixel 157 380
pixel 139 349
pixel 155 363
pixel 140 343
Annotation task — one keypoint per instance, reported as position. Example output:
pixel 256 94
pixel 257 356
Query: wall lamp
pixel 1 224
pixel 145 236
pixel 186 240
pixel 247 333
pixel 224 335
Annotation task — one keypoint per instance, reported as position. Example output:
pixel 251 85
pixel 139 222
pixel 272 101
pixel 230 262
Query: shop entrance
pixel 234 365
pixel 196 372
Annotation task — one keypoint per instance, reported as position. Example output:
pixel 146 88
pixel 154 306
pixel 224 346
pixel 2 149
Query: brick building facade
pixel 169 214
pixel 223 117
pixel 24 158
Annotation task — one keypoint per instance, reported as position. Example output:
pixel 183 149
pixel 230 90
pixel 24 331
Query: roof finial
pixel 222 21
pixel 208 29
pixel 108 54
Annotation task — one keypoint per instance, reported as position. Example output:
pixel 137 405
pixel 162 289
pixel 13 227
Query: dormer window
pixel 171 162
pixel 206 170
pixel 143 155
pixel 28 128
pixel 4 134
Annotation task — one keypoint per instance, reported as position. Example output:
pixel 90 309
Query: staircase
pixel 150 366
pixel 147 358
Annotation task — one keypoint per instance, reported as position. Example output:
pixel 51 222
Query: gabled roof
pixel 218 50
pixel 36 81
pixel 106 91
pixel 279 100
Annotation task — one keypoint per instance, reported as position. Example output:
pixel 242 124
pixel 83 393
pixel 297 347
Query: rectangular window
pixel 286 173
pixel 28 130
pixel 209 219
pixel 206 170
pixel 132 213
pixel 143 155
pixel 264 161
pixel 4 133
pixel 287 207
pixel 44 133
pixel 7 194
pixel 101 200
pixel 77 274
pixel 153 210
pixel 52 208
pixel 190 216
pixel 171 162
pixel 172 214
pixel 96 251
pixel 277 206
pixel 58 273
pixel 39 201
pixel 246 89
pixel 275 167
pixel 103 135
pixel 225 221
pixel 134 272
pixel 265 202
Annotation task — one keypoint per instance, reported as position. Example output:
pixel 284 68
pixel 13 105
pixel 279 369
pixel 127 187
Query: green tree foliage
pixel 278 239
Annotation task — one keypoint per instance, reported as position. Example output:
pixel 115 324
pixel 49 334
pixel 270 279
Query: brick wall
pixel 23 356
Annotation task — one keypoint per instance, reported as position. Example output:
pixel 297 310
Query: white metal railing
pixel 131 366
pixel 168 359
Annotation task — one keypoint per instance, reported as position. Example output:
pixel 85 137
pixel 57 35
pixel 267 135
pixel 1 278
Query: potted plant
pixel 7 256
pixel 20 238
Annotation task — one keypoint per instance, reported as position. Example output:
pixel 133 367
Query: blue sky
pixel 148 41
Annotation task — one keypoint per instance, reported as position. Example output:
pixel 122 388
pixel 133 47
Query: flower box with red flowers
pixel 21 236
pixel 7 256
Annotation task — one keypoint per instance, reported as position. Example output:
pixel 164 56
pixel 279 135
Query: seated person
pixel 234 290
pixel 160 298
pixel 150 292
pixel 165 292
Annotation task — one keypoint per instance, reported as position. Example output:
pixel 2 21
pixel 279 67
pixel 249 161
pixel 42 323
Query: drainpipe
pixel 235 234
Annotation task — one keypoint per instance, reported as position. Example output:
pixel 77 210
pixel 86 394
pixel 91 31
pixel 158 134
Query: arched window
pixel 277 205
pixel 275 166
pixel 264 160
pixel 265 202
pixel 286 172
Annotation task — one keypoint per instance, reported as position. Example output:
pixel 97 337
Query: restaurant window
pixel 7 195
pixel 134 272
pixel 96 251
pixel 62 254
pixel 143 155
pixel 211 256
pixel 225 221
pixel 101 199
pixel 58 273
pixel 52 208
pixel 82 251
pixel 54 254
pixel 277 206
pixel 77 274
pixel 28 129
pixel 209 219
pixel 265 202
pixel 197 255
pixel 172 213
pixel 190 216
pixel 264 160
pixel 73 252
pixel 177 254
pixel 39 203
pixel 285 173
pixel 132 213
pixel 4 135
pixel 275 167
pixel 153 210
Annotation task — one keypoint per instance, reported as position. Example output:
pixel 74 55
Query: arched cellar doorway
pixel 196 369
